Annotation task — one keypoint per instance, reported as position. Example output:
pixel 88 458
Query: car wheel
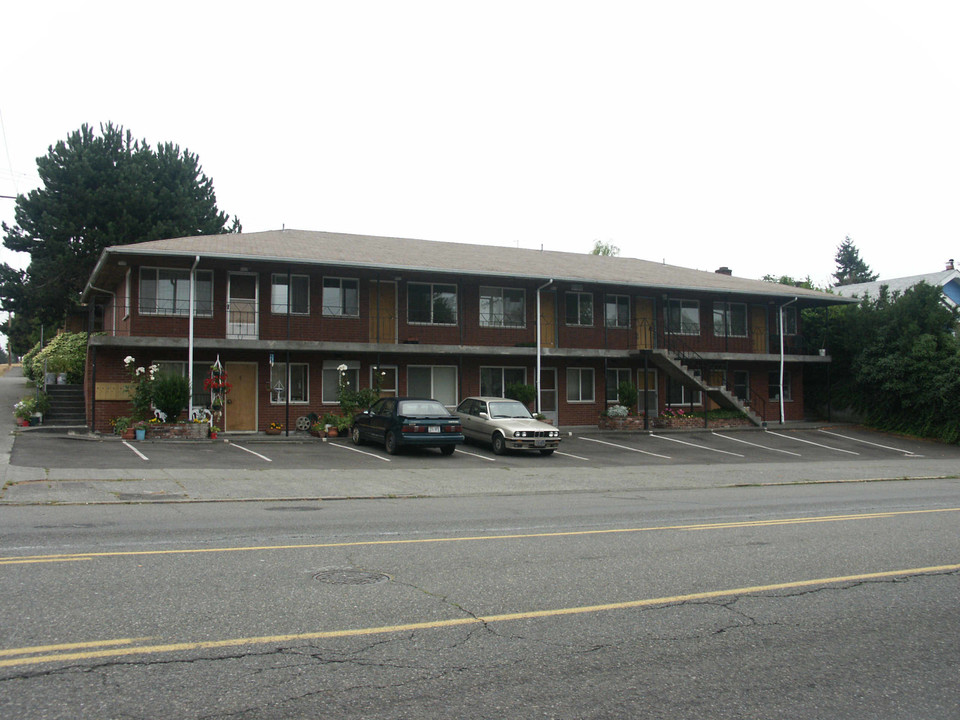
pixel 499 444
pixel 546 452
pixel 447 449
pixel 391 444
pixel 355 436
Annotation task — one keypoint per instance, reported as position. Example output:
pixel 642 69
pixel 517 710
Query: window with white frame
pixel 680 394
pixel 614 377
pixel 200 396
pixel 165 291
pixel 433 381
pixel 334 372
pixel 729 319
pixel 297 385
pixel 384 377
pixel 617 311
pixel 341 297
pixel 580 385
pixel 296 292
pixel 578 308
pixel 773 380
pixel 683 317
pixel 494 381
pixel 431 304
pixel 502 307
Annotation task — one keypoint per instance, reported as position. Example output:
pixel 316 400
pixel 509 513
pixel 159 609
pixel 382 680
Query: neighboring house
pixel 947 280
pixel 283 310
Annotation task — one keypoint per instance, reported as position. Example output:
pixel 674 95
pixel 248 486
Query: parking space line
pixel 482 457
pixel 241 447
pixel 139 454
pixel 575 457
pixel 362 452
pixel 810 442
pixel 626 447
pixel 867 442
pixel 702 447
pixel 764 447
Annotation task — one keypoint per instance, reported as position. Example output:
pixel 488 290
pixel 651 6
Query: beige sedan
pixel 506 425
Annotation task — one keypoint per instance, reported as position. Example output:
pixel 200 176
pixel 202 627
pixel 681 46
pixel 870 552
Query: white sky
pixel 749 134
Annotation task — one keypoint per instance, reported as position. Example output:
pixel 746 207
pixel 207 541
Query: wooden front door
pixel 645 324
pixel 383 312
pixel 548 320
pixel 240 413
pixel 758 328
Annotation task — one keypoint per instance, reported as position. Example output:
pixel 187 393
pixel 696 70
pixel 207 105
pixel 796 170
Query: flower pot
pixel 127 434
pixel 332 432
pixel 272 431
pixel 213 436
pixel 140 433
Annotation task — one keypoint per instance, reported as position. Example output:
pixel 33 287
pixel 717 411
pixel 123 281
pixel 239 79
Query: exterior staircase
pixel 675 368
pixel 67 406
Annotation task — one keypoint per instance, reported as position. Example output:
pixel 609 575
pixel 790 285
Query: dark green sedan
pixel 408 422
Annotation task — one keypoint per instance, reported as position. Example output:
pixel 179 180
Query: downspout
pixel 781 355
pixel 193 295
pixel 547 284
pixel 93 380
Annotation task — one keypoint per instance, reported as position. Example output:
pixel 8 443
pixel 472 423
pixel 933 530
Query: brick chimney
pixel 950 264
pixel 725 271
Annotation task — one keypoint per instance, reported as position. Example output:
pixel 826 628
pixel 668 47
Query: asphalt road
pixel 801 601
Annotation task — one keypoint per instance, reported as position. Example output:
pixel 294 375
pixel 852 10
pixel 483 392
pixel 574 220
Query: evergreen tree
pixel 98 190
pixel 850 268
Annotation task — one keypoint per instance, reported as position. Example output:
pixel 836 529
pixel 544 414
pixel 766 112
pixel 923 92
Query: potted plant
pixel 316 429
pixel 23 410
pixel 140 429
pixel 121 426
pixel 274 428
pixel 344 423
pixel 213 432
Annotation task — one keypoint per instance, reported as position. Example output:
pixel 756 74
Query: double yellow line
pixel 128 646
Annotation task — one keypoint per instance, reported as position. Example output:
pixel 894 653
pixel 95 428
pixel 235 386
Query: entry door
pixel 242 306
pixel 758 328
pixel 548 394
pixel 652 395
pixel 645 328
pixel 548 320
pixel 383 312
pixel 240 413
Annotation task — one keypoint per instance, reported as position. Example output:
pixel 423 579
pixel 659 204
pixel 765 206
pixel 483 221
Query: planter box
pixel 631 422
pixel 180 431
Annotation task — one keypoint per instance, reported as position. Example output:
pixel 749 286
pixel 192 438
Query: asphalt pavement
pixel 45 483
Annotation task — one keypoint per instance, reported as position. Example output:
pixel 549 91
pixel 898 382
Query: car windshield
pixel 508 409
pixel 421 408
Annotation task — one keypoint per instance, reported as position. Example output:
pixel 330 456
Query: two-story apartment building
pixel 285 311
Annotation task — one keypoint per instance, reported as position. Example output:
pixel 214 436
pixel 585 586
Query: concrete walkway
pixel 51 485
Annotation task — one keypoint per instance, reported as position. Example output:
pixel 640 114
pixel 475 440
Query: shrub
pixel 617 411
pixel 524 393
pixel 627 394
pixel 171 394
pixel 66 353
pixel 29 365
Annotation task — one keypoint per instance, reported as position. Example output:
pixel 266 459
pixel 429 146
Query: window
pixel 580 385
pixel 774 386
pixel 297 383
pixel 617 311
pixel 502 307
pixel 341 297
pixel 729 319
pixel 579 308
pixel 679 394
pixel 200 396
pixel 683 317
pixel 167 292
pixel 299 295
pixel 127 280
pixel 435 381
pixel 430 304
pixel 789 321
pixel 615 376
pixel 330 377
pixel 384 377
pixel 494 381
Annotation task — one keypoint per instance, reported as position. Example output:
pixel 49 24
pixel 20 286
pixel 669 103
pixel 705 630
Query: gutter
pixel 193 295
pixel 547 284
pixel 780 313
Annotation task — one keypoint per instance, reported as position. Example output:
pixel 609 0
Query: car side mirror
pixel 484 416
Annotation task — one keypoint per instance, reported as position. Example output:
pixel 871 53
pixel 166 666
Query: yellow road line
pixel 477 538
pixel 71 646
pixel 44 559
pixel 438 624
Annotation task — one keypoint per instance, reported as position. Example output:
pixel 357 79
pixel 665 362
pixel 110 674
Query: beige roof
pixel 398 254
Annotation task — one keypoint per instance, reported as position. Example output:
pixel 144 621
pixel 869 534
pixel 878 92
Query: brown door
pixel 548 320
pixel 714 379
pixel 645 334
pixel 383 312
pixel 758 328
pixel 240 414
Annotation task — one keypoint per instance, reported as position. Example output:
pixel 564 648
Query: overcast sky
pixel 755 135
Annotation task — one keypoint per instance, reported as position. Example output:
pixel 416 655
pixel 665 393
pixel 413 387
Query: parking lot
pixel 591 449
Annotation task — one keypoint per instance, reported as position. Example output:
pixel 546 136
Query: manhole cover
pixel 350 577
